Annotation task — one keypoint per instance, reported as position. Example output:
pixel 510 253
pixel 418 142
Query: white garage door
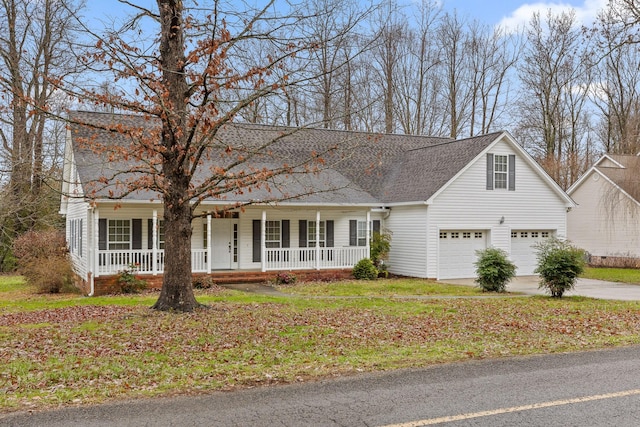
pixel 457 252
pixel 523 254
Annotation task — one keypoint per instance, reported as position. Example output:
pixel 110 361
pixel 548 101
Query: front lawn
pixel 624 275
pixel 69 349
pixel 381 288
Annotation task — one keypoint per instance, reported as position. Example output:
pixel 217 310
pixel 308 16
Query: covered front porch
pixel 256 240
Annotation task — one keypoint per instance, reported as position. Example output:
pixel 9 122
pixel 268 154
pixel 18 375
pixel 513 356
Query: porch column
pixel 368 234
pixel 209 250
pixel 94 244
pixel 318 240
pixel 154 242
pixel 263 248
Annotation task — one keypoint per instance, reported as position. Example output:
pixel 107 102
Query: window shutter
pixel 489 171
pixel 329 232
pixel 302 233
pixel 512 172
pixel 81 233
pixel 256 240
pixel 149 233
pixel 102 234
pixel 285 236
pixel 376 226
pixel 136 233
pixel 353 232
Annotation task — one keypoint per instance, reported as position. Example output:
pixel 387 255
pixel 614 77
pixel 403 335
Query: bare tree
pixel 189 83
pixel 553 115
pixel 34 49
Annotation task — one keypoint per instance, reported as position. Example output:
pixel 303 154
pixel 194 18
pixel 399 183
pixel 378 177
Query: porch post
pixel 209 250
pixel 368 234
pixel 318 240
pixel 94 244
pixel 154 242
pixel 263 248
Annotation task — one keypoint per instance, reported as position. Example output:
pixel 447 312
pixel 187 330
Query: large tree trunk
pixel 177 291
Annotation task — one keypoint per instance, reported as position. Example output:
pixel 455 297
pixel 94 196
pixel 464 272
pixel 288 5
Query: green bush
pixel 494 270
pixel 365 270
pixel 129 283
pixel 380 246
pixel 43 259
pixel 559 265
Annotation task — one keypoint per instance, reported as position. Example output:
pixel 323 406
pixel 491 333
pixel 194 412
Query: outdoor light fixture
pixel 502 220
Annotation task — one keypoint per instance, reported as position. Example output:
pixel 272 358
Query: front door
pixel 224 237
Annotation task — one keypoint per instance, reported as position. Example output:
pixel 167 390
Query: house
pixel 605 221
pixel 441 199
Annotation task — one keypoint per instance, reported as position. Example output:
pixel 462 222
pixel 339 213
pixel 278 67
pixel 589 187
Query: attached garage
pixel 457 252
pixel 523 252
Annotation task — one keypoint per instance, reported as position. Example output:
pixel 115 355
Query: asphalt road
pixel 600 388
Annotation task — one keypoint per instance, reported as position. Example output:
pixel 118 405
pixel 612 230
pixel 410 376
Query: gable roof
pixel 360 168
pixel 624 175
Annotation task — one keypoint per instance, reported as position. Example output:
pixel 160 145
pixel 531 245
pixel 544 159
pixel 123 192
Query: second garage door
pixel 457 252
pixel 523 253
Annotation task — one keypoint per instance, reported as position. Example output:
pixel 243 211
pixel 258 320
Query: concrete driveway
pixel 584 287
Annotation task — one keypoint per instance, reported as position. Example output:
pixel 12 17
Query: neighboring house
pixel 605 221
pixel 441 199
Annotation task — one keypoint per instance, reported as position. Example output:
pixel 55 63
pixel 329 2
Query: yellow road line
pixel 460 417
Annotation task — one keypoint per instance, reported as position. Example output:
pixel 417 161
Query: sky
pixel 510 13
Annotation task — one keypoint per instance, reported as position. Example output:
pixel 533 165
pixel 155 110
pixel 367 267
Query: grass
pixel 623 275
pixel 69 349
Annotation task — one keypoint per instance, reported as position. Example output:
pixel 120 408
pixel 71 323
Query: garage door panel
pixel 523 252
pixel 457 252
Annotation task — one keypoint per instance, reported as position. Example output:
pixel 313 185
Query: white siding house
pixel 605 221
pixel 440 199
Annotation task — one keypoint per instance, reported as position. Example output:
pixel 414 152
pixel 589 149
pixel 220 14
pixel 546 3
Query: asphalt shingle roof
pixel 359 167
pixel 627 177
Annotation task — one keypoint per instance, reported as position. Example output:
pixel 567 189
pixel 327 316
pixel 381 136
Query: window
pixel 514 234
pixel 500 171
pixel 443 235
pixel 311 234
pixel 455 235
pixel 160 234
pixel 466 235
pixel 272 234
pixel 478 235
pixel 545 234
pixel 119 234
pixel 362 233
pixel 75 237
pixel 524 234
pixel 534 234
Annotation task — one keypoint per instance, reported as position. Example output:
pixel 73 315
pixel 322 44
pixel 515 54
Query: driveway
pixel 584 287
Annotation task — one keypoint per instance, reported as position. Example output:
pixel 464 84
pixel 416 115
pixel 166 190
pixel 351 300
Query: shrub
pixel 494 270
pixel 129 283
pixel 559 265
pixel 380 246
pixel 43 260
pixel 365 270
pixel 285 278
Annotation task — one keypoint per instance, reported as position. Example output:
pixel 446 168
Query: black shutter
pixel 329 232
pixel 302 233
pixel 285 233
pixel 136 233
pixel 102 234
pixel 376 226
pixel 353 232
pixel 512 172
pixel 149 234
pixel 257 230
pixel 489 171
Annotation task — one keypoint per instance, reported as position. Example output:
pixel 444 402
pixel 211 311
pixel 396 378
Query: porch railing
pixel 142 261
pixel 312 258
